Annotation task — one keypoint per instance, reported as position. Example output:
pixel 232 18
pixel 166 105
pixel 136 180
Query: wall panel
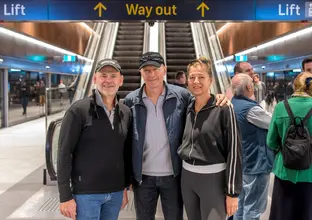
pixel 70 36
pixel 237 37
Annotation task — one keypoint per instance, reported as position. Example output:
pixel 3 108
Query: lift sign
pixel 147 11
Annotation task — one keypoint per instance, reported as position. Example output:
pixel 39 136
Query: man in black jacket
pixel 94 157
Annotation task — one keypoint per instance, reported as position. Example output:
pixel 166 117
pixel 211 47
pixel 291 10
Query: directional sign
pixel 24 10
pixel 187 10
pixel 203 7
pixel 100 7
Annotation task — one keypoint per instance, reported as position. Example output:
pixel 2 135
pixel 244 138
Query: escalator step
pixel 127 53
pixel 131 32
pixel 134 28
pixel 180 50
pixel 129 47
pixel 185 30
pixel 130 72
pixel 178 61
pixel 131 24
pixel 174 34
pixel 134 66
pixel 186 55
pixel 187 25
pixel 130 86
pixel 129 37
pixel 128 59
pixel 180 39
pixel 180 44
pixel 132 79
pixel 129 42
pixel 175 68
pixel 171 80
pixel 171 75
pixel 123 94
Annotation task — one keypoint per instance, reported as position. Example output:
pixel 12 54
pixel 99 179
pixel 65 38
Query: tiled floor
pixel 21 150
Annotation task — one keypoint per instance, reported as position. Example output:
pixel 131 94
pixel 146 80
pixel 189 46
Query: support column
pixel 48 94
pixel 5 98
pixel 154 38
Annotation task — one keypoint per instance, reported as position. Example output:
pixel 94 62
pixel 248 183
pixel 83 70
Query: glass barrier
pixel 57 99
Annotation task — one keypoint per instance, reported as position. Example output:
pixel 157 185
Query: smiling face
pixel 199 78
pixel 108 80
pixel 153 76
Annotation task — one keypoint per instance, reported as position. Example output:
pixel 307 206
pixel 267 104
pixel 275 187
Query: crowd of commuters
pixel 209 153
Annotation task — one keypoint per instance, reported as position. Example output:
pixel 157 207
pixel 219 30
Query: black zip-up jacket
pixel 92 156
pixel 212 136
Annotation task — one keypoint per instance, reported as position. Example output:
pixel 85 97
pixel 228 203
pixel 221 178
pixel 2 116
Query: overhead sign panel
pixel 193 10
pixel 286 10
pixel 18 10
pixel 149 10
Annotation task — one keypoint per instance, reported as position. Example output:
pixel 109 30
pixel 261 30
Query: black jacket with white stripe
pixel 212 136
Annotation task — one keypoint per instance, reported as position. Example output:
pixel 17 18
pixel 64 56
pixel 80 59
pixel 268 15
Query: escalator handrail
pixel 49 149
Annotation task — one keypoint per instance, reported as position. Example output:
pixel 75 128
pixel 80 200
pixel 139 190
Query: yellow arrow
pixel 203 6
pixel 100 7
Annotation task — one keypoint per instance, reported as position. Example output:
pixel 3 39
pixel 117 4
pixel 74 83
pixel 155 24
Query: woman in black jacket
pixel 211 151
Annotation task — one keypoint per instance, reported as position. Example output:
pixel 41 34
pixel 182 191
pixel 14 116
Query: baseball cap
pixel 151 59
pixel 107 62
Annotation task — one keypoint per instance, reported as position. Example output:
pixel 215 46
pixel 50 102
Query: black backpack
pixel 296 150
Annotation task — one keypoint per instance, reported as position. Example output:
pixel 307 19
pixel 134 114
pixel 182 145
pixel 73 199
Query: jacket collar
pixel 94 104
pixel 245 98
pixel 211 102
pixel 95 99
pixel 168 94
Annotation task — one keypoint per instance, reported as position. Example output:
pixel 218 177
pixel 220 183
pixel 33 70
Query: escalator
pixel 128 50
pixel 179 48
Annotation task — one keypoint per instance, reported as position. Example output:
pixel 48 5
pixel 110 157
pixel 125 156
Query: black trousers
pixel 146 196
pixel 203 195
pixel 291 201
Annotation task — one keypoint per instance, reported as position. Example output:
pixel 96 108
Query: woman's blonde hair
pixel 201 61
pixel 303 83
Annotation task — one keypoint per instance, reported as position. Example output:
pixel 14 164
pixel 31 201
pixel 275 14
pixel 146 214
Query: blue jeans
pixel 98 206
pixel 252 201
pixel 146 196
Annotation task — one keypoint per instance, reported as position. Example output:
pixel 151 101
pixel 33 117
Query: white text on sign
pixel 285 10
pixel 136 9
pixel 15 9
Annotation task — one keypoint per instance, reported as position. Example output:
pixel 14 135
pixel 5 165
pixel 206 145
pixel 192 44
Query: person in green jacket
pixel 292 191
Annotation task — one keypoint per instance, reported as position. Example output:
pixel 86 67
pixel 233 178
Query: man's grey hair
pixel 240 83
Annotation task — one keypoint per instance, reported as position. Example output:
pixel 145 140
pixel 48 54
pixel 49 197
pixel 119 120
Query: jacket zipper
pixel 142 152
pixel 166 99
pixel 193 135
pixel 192 146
